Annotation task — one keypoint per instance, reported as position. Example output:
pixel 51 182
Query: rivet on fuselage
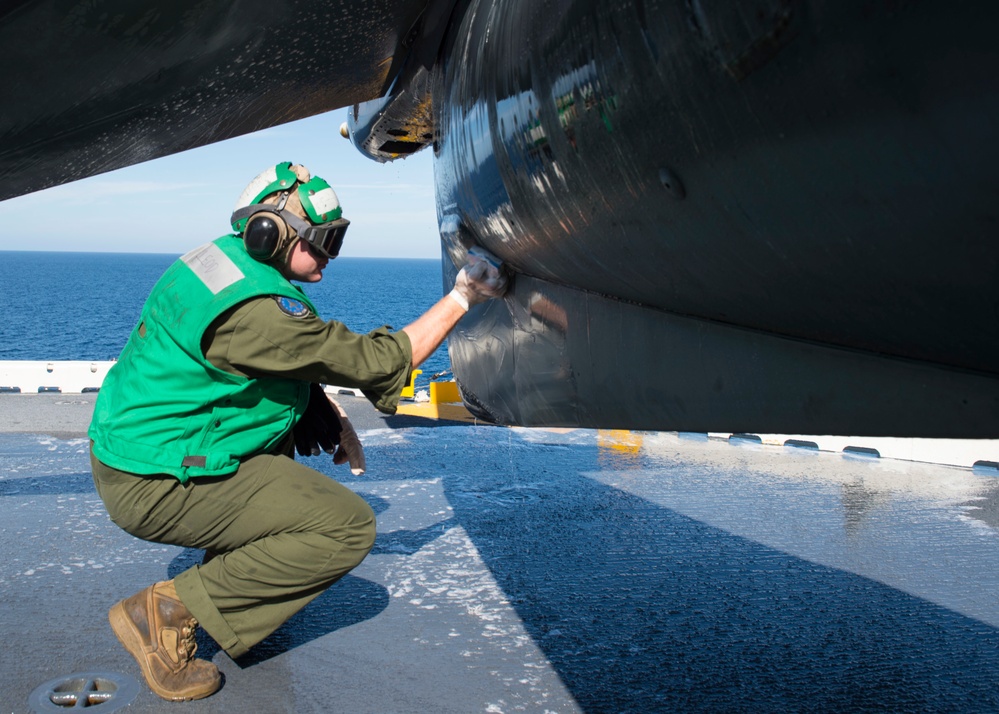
pixel 672 183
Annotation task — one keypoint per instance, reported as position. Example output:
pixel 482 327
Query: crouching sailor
pixel 196 426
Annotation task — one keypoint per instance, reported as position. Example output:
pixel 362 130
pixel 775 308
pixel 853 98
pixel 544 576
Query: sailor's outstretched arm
pixel 483 278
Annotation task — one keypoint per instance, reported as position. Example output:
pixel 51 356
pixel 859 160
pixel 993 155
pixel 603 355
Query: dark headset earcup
pixel 262 236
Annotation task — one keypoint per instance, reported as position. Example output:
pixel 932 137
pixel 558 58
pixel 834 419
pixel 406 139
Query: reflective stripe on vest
pixel 163 408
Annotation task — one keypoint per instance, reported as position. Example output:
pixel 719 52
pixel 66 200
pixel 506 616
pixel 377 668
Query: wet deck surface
pixel 546 571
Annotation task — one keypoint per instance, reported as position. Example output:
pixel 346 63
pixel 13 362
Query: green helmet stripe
pixel 276 178
pixel 319 201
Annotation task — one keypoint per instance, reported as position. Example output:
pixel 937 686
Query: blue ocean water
pixel 83 306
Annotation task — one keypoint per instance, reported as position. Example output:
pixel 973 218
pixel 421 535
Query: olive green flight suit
pixel 284 532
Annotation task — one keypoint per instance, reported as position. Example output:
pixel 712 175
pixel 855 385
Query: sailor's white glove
pixel 482 278
pixel 350 449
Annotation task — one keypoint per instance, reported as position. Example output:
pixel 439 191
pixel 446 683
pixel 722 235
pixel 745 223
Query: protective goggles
pixel 327 238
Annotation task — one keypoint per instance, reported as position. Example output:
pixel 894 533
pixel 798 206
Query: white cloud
pixel 94 191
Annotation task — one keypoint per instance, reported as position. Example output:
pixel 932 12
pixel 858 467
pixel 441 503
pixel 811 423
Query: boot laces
pixel 188 645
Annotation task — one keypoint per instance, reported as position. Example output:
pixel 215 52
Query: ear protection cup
pixel 265 235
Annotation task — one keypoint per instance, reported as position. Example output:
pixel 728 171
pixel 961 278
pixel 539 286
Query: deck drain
pixel 97 691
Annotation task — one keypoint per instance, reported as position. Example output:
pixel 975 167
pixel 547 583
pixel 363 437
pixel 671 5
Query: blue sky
pixel 172 204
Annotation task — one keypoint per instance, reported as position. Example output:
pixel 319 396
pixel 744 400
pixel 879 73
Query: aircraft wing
pixel 94 86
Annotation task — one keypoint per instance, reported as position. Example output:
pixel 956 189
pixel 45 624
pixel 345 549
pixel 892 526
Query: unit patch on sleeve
pixel 290 306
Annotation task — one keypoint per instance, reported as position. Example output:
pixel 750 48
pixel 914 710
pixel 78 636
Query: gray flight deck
pixel 528 570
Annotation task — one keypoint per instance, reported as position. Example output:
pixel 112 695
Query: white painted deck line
pixel 75 377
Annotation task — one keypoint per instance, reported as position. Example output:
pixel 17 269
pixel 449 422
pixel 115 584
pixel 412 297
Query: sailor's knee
pixel 352 524
pixel 362 528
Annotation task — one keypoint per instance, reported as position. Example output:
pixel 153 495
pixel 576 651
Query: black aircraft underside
pixel 773 217
pixel 776 216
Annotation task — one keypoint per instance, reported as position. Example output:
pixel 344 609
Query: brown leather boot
pixel 156 629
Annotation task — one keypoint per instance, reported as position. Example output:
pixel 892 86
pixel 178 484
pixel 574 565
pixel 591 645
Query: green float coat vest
pixel 163 408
